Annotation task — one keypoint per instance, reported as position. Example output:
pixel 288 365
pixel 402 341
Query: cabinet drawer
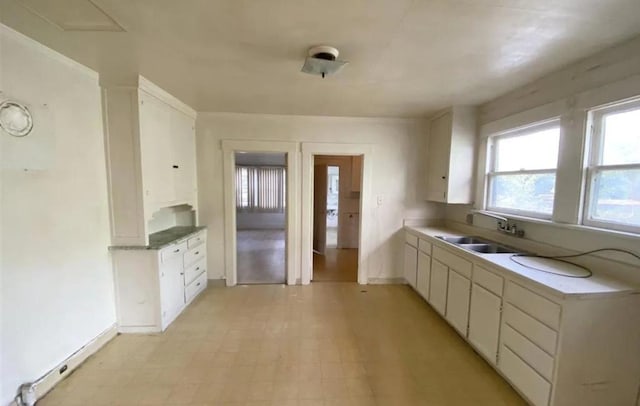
pixel 535 305
pixel 525 378
pixel 538 333
pixel 194 254
pixel 172 251
pixel 195 287
pixel 462 266
pixel 529 352
pixel 192 272
pixel 424 246
pixel 488 280
pixel 411 239
pixel 196 240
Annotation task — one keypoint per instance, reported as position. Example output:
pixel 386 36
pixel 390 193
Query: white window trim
pixel 593 166
pixel 491 162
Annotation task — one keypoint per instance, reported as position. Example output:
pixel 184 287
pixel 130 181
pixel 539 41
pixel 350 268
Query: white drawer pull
pixel 176 250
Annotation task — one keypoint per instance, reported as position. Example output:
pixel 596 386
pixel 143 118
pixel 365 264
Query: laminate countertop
pixel 597 284
pixel 163 238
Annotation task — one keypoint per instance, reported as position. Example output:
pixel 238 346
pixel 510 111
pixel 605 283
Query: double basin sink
pixel 479 245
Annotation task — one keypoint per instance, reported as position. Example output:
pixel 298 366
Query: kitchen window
pixel 613 173
pixel 522 170
pixel 260 189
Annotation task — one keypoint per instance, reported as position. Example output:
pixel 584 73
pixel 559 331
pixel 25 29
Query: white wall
pixel 260 221
pixel 57 287
pixel 606 77
pixel 399 145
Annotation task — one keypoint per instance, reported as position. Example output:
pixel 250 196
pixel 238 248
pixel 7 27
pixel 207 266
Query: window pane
pixel 535 150
pixel 616 196
pixel 530 193
pixel 621 138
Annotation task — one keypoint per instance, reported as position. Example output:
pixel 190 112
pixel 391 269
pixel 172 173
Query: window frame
pixel 492 158
pixel 594 164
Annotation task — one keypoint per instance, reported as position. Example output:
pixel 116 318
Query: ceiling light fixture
pixel 322 61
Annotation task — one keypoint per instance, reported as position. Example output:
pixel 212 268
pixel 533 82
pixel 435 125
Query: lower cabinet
pixel 438 286
pixel 484 321
pixel 154 286
pixel 457 312
pixel 410 264
pixel 424 274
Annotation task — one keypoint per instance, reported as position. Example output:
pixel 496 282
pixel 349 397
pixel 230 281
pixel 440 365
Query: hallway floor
pixel 321 344
pixel 261 256
pixel 336 265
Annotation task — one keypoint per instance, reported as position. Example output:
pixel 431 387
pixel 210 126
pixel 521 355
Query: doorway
pixel 260 204
pixel 336 217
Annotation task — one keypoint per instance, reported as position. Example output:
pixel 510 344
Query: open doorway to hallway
pixel 260 217
pixel 336 217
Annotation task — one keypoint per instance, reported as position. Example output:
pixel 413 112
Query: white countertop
pixel 565 286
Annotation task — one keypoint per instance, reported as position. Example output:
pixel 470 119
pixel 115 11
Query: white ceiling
pixel 407 58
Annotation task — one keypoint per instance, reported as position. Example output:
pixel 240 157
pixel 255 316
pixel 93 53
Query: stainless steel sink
pixel 488 248
pixel 479 245
pixel 463 240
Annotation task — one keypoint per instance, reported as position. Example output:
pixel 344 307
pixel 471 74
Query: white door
pixel 438 286
pixel 171 288
pixel 438 158
pixel 458 301
pixel 184 156
pixel 424 274
pixel 320 208
pixel 156 149
pixel 484 321
pixel 410 264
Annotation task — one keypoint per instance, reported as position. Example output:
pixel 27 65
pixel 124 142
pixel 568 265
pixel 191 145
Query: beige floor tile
pixel 325 344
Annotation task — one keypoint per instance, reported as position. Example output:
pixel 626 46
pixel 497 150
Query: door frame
pixel 367 206
pixel 292 249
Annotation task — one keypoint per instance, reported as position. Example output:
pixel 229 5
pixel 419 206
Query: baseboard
pixel 43 385
pixel 386 281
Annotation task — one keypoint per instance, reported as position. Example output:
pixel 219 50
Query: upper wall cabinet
pixel 151 157
pixel 450 156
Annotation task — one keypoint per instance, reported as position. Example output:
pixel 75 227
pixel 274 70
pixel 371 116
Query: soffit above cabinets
pixel 72 15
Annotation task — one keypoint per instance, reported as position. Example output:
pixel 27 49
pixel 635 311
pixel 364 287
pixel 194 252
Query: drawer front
pixel 525 378
pixel 194 254
pixel 529 352
pixel 192 272
pixel 488 280
pixel 424 246
pixel 411 239
pixel 538 333
pixel 172 251
pixel 195 287
pixel 535 305
pixel 461 265
pixel 196 240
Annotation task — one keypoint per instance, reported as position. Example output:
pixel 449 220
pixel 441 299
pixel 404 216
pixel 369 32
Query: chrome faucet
pixel 504 225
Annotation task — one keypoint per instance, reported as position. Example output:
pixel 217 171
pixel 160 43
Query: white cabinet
pixel 438 286
pixel 410 264
pixel 154 286
pixel 150 141
pixel 424 274
pixel 484 321
pixel 457 313
pixel 450 156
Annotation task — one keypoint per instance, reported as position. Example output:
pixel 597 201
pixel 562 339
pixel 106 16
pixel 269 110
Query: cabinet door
pixel 356 173
pixel 458 301
pixel 171 288
pixel 410 264
pixel 184 156
pixel 484 321
pixel 156 149
pixel 438 286
pixel 424 274
pixel 438 158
